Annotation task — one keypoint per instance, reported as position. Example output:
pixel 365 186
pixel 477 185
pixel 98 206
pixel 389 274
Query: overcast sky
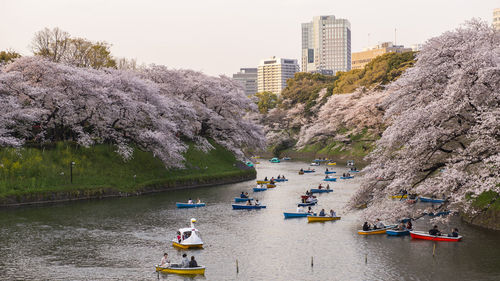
pixel 221 36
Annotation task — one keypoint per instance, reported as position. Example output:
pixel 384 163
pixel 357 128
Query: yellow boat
pixel 180 270
pixel 332 164
pixel 262 182
pixel 320 219
pixel 190 246
pixel 271 185
pixel 301 173
pixel 399 196
pixel 376 231
pixel 257 162
pixel 188 238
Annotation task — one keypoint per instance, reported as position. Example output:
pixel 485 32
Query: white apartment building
pixel 272 74
pixel 326 45
pixel 496 18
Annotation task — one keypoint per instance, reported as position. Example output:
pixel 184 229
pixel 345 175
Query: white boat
pixel 314 164
pixel 189 237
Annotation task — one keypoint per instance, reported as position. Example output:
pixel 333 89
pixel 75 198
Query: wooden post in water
pixel 237 267
pixel 434 249
pixel 366 258
pixel 312 261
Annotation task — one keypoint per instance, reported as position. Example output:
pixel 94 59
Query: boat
pixel 247 207
pixel 376 231
pixel 329 172
pixel 426 236
pixel 394 232
pixel 295 215
pixel 274 160
pixel 175 268
pixel 331 163
pixel 286 158
pixel 249 164
pixel 314 164
pixel 188 238
pixel 306 196
pixel 405 196
pixel 350 163
pixel 321 219
pixel 269 185
pixel 307 204
pixel 189 205
pixel 438 214
pixel 301 172
pixel 330 179
pixel 353 171
pixel 309 171
pixel 239 199
pixel 262 182
pixel 280 180
pixel 255 157
pixel 257 162
pixel 430 200
pixel 259 189
pixel 346 178
pixel 317 190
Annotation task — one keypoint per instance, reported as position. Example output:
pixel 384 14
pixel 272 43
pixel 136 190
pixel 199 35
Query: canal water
pixel 122 239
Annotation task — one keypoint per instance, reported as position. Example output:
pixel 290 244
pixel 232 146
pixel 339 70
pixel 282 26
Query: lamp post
pixel 71 170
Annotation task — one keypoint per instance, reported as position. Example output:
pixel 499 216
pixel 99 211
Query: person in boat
pixel 326 176
pixel 301 170
pixel 257 203
pixel 246 194
pixel 308 193
pixel 278 177
pixel 190 201
pixel 185 261
pixel 165 261
pixel 193 262
pixel 299 209
pixel 243 195
pixel 366 226
pixel 249 203
pixel 283 177
pixel 454 232
pixel 309 210
pixel 320 186
pixel 333 214
pixel 303 200
pixel 265 179
pixel 179 237
pixel 409 225
pixel 328 187
pixel 378 224
pixel 310 199
pixel 271 181
pixel 198 201
pixel 326 170
pixel 322 213
pixel 343 175
pixel 434 231
pixel 401 226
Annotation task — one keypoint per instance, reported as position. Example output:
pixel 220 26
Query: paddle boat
pixel 376 231
pixel 314 164
pixel 269 185
pixel 426 236
pixel 286 158
pixel 259 189
pixel 329 172
pixel 280 180
pixel 247 207
pixel 346 178
pixel 309 171
pixel 274 160
pixel 296 215
pixel 394 232
pixel 330 179
pixel 405 196
pixel 262 182
pixel 301 172
pixel 239 199
pixel 176 269
pixel 188 238
pixel 323 190
pixel 189 205
pixel 321 219
pixel 350 163
pixel 430 200
pixel 331 163
pixel 249 164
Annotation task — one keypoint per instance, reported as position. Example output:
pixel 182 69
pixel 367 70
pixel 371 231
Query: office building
pixel 272 74
pixel 496 18
pixel 360 59
pixel 326 45
pixel 248 79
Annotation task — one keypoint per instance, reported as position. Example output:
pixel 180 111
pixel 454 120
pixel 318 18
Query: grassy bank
pixel 30 172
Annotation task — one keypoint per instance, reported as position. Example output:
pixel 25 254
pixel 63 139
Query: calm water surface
pixel 121 239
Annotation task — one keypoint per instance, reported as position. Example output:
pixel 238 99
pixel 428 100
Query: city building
pixel 248 79
pixel 272 74
pixel 496 18
pixel 416 47
pixel 360 59
pixel 326 45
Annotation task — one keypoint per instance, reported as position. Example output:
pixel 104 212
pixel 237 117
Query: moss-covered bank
pixel 486 211
pixel 43 174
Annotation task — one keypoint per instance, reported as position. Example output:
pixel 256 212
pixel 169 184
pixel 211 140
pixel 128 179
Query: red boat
pixel 305 197
pixel 426 236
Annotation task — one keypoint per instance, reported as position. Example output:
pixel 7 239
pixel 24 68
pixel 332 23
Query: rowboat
pixel 247 207
pixel 189 205
pixel 314 164
pixel 259 189
pixel 438 214
pixel 426 236
pixel 321 219
pixel 286 158
pixel 175 268
pixel 309 171
pixel 249 164
pixel 352 171
pixel 280 180
pixel 350 162
pixel 308 204
pixel 329 172
pixel 274 160
pixel 399 196
pixel 262 182
pixel 346 178
pixel 295 215
pixel 394 232
pixel 239 199
pixel 317 190
pixel 376 231
pixel 271 185
pixel 430 200
pixel 301 172
pixel 331 164
pixel 188 238
pixel 330 179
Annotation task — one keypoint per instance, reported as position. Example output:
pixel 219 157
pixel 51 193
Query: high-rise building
pixel 496 18
pixel 272 74
pixel 360 59
pixel 248 79
pixel 326 45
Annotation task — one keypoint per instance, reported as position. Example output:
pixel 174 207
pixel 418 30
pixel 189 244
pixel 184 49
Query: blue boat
pixel 346 178
pixel 354 171
pixel 249 164
pixel 258 189
pixel 309 171
pixel 329 172
pixel 274 160
pixel 295 215
pixel 188 205
pixel 247 207
pixel 438 214
pixel 330 179
pixel 280 180
pixel 286 158
pixel 239 199
pixel 317 190
pixel 307 204
pixel 393 232
pixel 430 200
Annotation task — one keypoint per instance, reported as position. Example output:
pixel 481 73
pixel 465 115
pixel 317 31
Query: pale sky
pixel 221 36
